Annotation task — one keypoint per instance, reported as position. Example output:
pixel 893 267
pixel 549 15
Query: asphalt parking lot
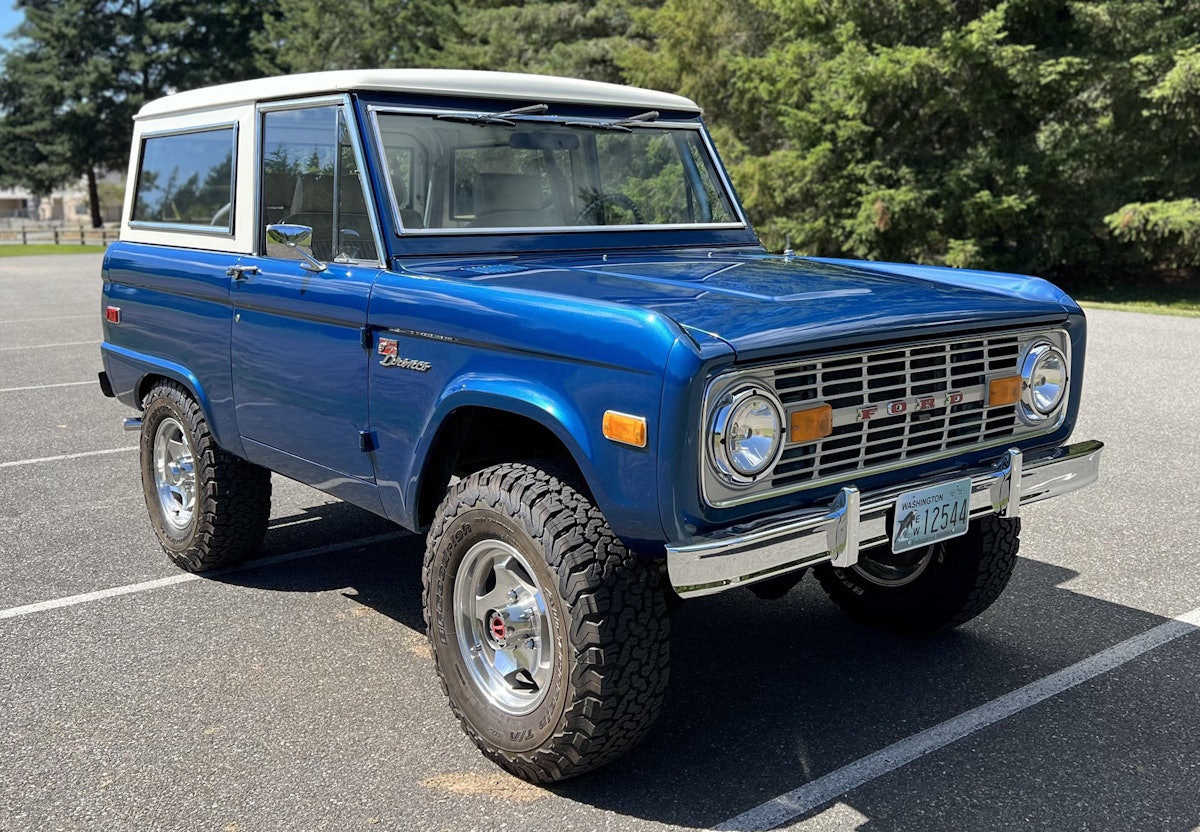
pixel 298 694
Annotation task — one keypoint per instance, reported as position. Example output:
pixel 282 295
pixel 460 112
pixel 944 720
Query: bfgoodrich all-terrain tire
pixel 207 507
pixel 933 589
pixel 550 637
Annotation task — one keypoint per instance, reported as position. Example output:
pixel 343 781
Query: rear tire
pixel 207 507
pixel 946 585
pixel 549 636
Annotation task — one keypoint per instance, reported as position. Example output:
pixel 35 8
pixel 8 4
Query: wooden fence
pixel 60 236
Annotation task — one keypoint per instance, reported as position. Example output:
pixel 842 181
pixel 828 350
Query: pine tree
pixel 80 70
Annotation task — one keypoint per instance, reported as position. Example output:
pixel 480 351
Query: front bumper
pixel 854 521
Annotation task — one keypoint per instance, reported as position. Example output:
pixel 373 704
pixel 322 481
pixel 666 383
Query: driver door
pixel 299 367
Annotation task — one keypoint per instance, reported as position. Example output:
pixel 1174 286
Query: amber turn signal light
pixel 626 429
pixel 1004 390
pixel 811 424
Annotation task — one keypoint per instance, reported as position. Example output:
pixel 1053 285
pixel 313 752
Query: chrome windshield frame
pixel 721 177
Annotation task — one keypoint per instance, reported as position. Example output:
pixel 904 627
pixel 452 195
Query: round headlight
pixel 747 434
pixel 1044 373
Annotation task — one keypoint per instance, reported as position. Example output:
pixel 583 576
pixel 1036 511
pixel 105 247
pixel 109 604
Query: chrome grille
pixel 926 377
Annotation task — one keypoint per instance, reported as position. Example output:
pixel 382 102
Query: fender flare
pixel 150 365
pixel 535 402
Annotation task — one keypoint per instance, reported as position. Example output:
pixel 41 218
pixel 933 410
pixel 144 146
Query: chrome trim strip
pixel 763 549
pixel 572 229
pixel 374 110
pixel 400 109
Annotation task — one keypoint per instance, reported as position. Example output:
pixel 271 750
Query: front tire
pixel 549 636
pixel 937 588
pixel 207 507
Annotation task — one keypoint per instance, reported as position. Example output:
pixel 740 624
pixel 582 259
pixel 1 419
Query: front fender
pixel 622 479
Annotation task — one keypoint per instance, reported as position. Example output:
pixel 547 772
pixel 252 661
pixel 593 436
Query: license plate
pixel 928 515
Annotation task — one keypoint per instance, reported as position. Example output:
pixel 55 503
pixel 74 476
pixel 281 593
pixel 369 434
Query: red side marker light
pixel 112 314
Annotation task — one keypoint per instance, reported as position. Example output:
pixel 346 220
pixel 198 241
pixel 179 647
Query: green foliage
pixel 580 39
pixel 1167 233
pixel 80 69
pixel 983 134
pixel 315 35
pixel 1049 136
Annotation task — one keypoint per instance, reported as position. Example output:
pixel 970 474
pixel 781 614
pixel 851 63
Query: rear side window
pixel 186 180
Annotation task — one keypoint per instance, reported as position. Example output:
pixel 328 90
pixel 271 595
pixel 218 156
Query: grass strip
pixel 35 249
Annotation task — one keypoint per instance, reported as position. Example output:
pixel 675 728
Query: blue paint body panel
pixel 175 323
pixel 554 327
pixel 557 360
pixel 298 363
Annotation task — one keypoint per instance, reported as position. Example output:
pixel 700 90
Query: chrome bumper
pixel 853 521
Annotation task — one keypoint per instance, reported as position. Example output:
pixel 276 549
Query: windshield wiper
pixel 622 124
pixel 505 118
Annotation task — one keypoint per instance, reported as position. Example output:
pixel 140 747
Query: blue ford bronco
pixel 528 317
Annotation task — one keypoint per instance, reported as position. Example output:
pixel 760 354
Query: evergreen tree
pixel 992 133
pixel 578 39
pixel 80 69
pixel 315 35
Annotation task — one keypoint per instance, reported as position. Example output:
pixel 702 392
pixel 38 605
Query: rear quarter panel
pixel 175 322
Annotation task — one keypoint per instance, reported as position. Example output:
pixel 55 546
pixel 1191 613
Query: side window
pixel 186 179
pixel 310 177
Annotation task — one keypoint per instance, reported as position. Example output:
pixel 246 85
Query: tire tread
pixel 618 624
pixel 233 496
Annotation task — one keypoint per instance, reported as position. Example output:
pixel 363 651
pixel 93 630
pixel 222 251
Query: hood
pixel 764 304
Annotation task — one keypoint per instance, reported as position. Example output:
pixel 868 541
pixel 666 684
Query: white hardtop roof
pixel 457 82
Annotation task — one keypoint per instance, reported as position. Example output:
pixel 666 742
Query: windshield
pixel 463 171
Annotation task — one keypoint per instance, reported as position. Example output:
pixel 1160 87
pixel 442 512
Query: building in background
pixel 65 206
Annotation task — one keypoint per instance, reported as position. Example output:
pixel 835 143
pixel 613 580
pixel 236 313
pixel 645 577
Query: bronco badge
pixel 389 348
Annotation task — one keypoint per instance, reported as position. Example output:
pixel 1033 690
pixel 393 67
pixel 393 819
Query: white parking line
pixel 184 577
pixel 47 346
pixel 53 318
pixel 45 386
pixel 811 795
pixel 17 462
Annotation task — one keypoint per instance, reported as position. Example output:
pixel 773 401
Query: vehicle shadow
pixel 766 696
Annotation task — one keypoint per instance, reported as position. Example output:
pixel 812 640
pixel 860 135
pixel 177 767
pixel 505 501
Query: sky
pixel 10 18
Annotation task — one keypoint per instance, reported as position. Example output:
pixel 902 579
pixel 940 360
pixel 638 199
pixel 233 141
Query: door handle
pixel 241 272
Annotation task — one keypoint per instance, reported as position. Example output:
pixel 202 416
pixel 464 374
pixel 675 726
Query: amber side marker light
pixel 811 424
pixel 1004 390
pixel 626 429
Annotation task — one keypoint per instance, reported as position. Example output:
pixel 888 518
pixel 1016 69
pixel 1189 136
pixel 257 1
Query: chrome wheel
pixel 174 474
pixel 890 569
pixel 503 627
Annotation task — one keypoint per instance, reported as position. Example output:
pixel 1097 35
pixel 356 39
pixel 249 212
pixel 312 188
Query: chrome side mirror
pixel 287 240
